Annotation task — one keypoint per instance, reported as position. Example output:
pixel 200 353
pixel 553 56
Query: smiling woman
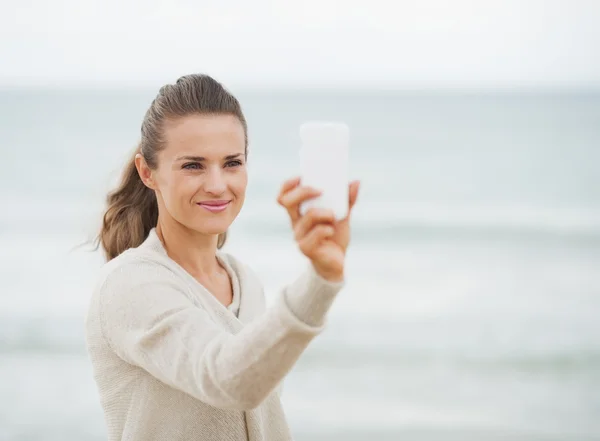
pixel 196 112
pixel 180 341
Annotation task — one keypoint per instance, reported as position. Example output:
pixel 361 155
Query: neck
pixel 193 251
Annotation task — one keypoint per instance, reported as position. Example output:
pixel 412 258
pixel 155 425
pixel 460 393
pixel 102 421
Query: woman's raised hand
pixel 319 236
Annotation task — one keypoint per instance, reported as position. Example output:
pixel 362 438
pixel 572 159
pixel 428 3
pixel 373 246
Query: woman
pixel 180 341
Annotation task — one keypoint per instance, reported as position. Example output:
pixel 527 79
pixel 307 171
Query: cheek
pixel 177 189
pixel 187 185
pixel 240 182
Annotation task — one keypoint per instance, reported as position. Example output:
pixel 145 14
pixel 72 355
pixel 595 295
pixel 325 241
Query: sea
pixel 472 304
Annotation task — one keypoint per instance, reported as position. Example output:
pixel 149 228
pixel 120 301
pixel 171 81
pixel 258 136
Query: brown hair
pixel 132 210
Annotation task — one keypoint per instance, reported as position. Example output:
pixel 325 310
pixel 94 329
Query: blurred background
pixel 473 298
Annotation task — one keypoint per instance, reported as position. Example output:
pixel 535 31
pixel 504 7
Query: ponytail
pixel 131 213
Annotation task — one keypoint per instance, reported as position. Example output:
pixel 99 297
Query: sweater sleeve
pixel 148 320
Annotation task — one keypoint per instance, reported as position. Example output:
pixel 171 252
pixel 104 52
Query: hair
pixel 132 209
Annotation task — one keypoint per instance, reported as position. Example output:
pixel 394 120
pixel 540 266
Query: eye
pixel 234 163
pixel 192 166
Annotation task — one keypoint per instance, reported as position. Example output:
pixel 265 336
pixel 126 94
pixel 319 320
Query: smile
pixel 215 208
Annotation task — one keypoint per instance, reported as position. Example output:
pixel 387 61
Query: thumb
pixel 353 193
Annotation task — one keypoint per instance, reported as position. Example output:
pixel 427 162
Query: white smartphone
pixel 324 161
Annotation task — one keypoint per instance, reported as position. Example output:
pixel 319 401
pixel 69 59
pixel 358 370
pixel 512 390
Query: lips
pixel 214 206
pixel 215 203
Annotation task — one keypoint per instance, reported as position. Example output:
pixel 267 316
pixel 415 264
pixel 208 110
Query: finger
pixel 310 219
pixel 288 185
pixel 293 198
pixel 354 186
pixel 353 193
pixel 312 240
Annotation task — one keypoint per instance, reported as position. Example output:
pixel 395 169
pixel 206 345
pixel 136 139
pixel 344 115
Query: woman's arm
pixel 149 321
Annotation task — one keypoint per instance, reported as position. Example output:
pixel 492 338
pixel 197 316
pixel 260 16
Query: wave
pixel 459 222
pixel 56 337
pixel 365 228
pixel 389 358
pixel 374 219
pixel 399 358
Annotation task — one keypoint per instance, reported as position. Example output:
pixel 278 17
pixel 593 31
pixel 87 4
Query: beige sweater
pixel 172 363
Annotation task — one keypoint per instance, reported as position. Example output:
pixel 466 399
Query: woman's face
pixel 203 164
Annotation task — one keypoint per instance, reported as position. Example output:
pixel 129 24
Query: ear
pixel 144 172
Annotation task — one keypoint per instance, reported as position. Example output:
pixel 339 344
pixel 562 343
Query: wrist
pixel 329 276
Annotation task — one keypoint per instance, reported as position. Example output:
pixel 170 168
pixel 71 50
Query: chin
pixel 214 227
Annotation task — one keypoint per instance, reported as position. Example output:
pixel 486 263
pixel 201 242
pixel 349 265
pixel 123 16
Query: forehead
pixel 203 134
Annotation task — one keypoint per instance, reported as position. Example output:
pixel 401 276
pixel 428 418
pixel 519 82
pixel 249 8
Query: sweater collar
pixel 251 295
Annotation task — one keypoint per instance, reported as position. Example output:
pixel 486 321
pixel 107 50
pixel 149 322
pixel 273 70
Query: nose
pixel 214 182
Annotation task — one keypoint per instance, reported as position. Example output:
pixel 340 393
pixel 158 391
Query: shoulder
pixel 133 291
pixel 134 288
pixel 137 263
pixel 133 269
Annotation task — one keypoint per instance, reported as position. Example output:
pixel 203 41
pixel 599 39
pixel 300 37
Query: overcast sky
pixel 405 44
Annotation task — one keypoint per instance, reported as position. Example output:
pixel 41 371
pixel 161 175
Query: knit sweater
pixel 173 363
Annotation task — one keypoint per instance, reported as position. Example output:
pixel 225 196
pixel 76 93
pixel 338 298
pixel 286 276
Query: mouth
pixel 214 206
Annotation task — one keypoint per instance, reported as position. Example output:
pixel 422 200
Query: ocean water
pixel 473 299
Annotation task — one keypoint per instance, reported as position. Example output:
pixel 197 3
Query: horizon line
pixel 316 87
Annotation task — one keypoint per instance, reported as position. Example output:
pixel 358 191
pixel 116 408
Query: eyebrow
pixel 200 158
